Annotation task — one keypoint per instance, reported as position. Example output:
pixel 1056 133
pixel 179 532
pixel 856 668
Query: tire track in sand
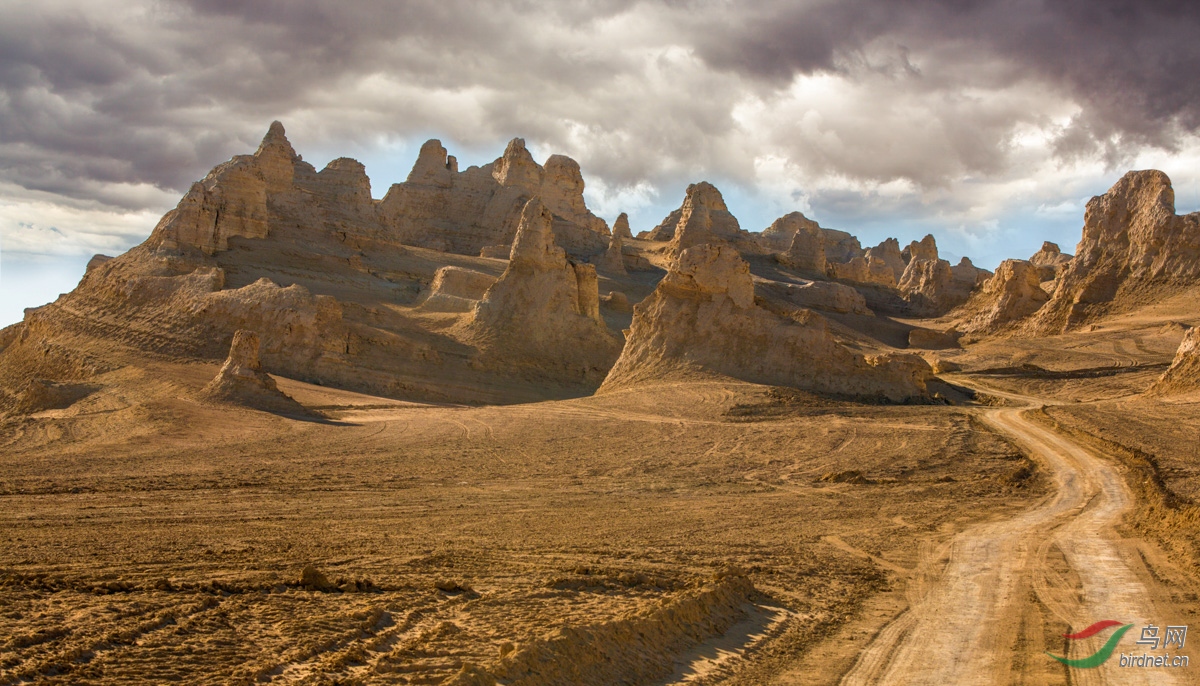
pixel 961 631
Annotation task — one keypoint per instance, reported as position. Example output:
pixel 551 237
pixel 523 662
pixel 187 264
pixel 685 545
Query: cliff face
pixel 1134 248
pixel 702 317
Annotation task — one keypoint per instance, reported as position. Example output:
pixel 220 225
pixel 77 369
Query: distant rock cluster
pixel 498 284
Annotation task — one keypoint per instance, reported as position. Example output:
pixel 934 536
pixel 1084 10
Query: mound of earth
pixel 1134 249
pixel 703 317
pixel 544 311
pixel 242 381
pixel 1013 293
pixel 1183 376
pixel 38 395
pixel 456 289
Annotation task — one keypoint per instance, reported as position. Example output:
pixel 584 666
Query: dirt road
pixel 963 625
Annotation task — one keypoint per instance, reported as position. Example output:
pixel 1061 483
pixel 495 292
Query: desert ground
pixel 467 434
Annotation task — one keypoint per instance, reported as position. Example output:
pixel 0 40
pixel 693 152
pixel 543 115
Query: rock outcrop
pixel 1134 249
pixel 242 381
pixel 620 227
pixel 704 218
pixel 806 248
pixel 96 261
pixel 544 311
pixel 702 317
pixel 931 286
pixel 455 289
pixel 613 259
pixel 1183 376
pixel 868 270
pixel 780 233
pixel 1011 294
pixel 924 249
pixel 841 246
pixel 232 200
pixel 442 208
pixel 1050 261
pixel 927 286
pixel 967 276
pixel 888 252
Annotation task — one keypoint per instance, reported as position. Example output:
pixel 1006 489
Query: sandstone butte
pixel 497 284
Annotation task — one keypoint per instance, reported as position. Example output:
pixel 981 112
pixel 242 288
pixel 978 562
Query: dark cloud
pixel 1129 63
pixel 107 93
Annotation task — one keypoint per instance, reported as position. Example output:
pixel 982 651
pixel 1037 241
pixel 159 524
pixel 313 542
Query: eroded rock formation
pixel 464 212
pixel 620 227
pixel 455 289
pixel 704 218
pixel 863 270
pixel 242 380
pixel 544 311
pixel 1011 294
pixel 888 252
pixel 806 247
pixel 703 317
pixel 613 259
pixel 780 233
pixel 1050 261
pixel 927 286
pixel 924 249
pixel 1183 376
pixel 1134 248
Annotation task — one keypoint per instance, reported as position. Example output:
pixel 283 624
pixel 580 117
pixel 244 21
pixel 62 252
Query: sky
pixel 988 124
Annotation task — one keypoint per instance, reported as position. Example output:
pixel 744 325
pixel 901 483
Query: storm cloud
pixel 953 105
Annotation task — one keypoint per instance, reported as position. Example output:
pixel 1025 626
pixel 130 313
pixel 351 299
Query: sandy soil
pixel 150 537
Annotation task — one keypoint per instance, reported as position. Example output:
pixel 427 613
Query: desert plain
pixel 470 434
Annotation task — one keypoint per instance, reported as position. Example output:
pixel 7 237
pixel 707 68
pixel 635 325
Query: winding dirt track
pixel 963 622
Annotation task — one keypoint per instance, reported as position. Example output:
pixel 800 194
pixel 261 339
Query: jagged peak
pixel 432 166
pixel 276 140
pixel 534 243
pixel 706 194
pixel 516 167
